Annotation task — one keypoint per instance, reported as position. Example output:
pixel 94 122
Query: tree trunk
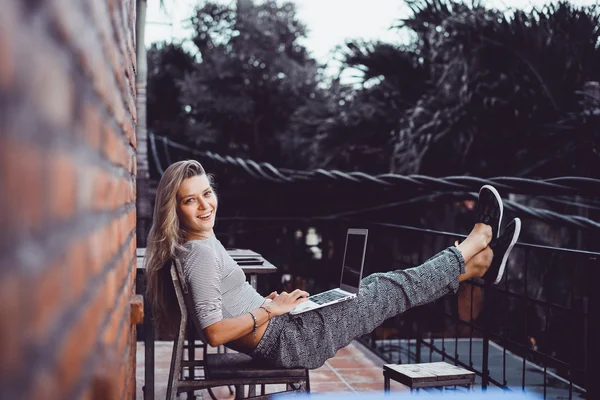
pixel 143 203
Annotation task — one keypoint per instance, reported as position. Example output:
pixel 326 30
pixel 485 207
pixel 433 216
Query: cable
pixel 566 185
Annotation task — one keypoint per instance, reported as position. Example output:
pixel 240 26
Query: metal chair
pixel 224 369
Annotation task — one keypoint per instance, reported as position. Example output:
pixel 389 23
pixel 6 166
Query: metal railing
pixel 531 332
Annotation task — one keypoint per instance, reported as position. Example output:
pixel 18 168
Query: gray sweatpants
pixel 307 340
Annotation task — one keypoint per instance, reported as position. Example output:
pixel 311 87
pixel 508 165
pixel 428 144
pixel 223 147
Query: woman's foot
pixel 502 248
pixel 488 217
pixel 479 238
pixel 489 209
pixel 478 265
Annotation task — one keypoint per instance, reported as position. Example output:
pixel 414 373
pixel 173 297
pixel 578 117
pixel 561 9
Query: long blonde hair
pixel 165 242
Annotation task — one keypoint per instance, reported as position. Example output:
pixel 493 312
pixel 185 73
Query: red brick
pixel 111 334
pixel 77 258
pixel 92 125
pixel 128 129
pixel 63 39
pixel 96 251
pixel 68 19
pixel 111 290
pixel 109 142
pixel 88 394
pixel 99 191
pixel 97 311
pixel 75 347
pixel 49 297
pixel 63 187
pixel 11 337
pixel 50 76
pixel 20 199
pixel 8 25
pixel 45 386
pixel 105 379
pixel 130 100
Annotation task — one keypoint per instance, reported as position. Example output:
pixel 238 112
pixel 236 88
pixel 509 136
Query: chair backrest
pixel 180 285
pixel 184 298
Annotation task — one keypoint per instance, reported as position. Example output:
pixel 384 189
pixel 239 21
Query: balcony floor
pixel 354 369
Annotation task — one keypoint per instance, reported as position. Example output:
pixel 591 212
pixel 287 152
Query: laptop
pixel 352 269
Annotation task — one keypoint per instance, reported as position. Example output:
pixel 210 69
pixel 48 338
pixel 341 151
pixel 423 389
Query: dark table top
pixel 265 268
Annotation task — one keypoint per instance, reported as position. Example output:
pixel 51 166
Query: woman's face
pixel 197 207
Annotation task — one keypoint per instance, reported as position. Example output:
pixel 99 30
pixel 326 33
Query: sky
pixel 330 22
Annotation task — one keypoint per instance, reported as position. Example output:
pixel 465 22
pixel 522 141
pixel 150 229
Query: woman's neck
pixel 199 235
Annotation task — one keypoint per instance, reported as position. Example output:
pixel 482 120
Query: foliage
pixel 168 65
pixel 505 91
pixel 476 91
pixel 357 134
pixel 251 77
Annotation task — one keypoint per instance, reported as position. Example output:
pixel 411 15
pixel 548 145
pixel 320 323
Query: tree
pixel 169 64
pixel 477 91
pixel 505 94
pixel 355 132
pixel 252 75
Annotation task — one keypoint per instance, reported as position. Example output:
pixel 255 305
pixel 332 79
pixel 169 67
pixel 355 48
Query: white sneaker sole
pixel 499 200
pixel 508 250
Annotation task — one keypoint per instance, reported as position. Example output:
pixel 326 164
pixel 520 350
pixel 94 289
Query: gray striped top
pixel 217 284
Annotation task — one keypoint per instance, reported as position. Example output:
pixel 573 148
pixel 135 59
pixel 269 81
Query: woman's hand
pixel 271 296
pixel 286 302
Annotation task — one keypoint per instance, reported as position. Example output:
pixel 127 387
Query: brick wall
pixel 67 199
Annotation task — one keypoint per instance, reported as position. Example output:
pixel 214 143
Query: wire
pixel 566 185
pixel 430 188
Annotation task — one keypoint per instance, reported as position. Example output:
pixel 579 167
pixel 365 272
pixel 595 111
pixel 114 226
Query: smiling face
pixel 197 207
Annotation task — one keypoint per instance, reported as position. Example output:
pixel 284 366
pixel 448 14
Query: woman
pixel 227 310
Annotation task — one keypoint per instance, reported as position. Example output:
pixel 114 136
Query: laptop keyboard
pixel 326 297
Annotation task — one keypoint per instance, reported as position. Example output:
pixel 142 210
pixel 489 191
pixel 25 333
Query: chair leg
pixel 170 383
pixel 239 391
pixel 175 370
pixel 307 387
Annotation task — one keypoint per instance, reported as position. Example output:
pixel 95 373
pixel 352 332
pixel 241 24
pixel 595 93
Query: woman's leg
pixel 309 339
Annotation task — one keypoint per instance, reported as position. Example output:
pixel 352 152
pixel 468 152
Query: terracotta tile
pixel 361 375
pixel 348 351
pixel 368 387
pixel 325 367
pixel 329 387
pixel 323 376
pixel 221 393
pixel 350 362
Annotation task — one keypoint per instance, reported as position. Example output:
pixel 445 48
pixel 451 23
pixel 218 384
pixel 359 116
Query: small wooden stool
pixel 427 375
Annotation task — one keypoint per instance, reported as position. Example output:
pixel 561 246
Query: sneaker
pixel 502 248
pixel 489 209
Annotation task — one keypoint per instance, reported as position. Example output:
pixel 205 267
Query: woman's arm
pixel 203 273
pixel 230 329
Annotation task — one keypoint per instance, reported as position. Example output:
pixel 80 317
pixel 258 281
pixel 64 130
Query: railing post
pixel 419 339
pixel 593 332
pixel 148 351
pixel 485 375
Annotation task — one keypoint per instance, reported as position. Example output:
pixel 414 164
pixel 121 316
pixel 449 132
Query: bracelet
pixel 255 326
pixel 268 312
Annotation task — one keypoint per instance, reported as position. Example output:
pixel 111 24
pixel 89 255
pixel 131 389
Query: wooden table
pixel 252 271
pixel 427 375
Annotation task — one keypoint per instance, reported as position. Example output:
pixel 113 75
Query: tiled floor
pixel 354 369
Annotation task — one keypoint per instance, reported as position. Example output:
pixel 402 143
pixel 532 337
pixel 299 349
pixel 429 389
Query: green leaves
pixel 504 91
pixel 249 76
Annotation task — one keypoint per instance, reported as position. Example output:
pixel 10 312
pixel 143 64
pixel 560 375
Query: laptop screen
pixel 353 259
